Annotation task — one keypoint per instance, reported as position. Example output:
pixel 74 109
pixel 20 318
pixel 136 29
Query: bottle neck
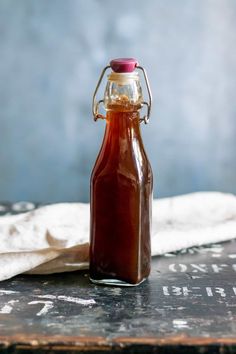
pixel 123 125
pixel 123 92
pixel 123 100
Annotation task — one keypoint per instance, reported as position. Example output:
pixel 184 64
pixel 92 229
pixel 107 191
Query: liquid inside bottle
pixel 121 190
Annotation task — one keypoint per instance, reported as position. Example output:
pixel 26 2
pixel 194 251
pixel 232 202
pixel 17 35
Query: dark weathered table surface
pixel 188 305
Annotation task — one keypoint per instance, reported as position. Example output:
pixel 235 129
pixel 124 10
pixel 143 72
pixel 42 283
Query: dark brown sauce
pixel 121 195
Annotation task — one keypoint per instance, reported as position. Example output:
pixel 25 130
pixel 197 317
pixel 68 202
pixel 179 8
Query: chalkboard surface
pixel 188 305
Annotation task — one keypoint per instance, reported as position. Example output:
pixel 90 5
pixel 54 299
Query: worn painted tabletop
pixel 188 305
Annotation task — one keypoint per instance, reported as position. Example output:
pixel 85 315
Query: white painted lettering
pixel 218 267
pixel 178 267
pixel 220 291
pixel 6 309
pixel 199 268
pixel 47 306
pixel 209 291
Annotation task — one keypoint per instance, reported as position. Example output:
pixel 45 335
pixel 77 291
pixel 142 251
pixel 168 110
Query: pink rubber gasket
pixel 123 65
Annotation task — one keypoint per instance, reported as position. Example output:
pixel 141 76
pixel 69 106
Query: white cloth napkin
pixel 55 238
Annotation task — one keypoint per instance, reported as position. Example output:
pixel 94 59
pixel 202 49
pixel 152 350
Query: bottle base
pixel 114 282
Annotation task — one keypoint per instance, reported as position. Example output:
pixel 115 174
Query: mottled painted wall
pixel 51 54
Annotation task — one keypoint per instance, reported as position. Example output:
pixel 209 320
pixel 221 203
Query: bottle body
pixel 121 198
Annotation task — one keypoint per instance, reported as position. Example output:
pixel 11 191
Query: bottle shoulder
pixel 122 153
pixel 134 167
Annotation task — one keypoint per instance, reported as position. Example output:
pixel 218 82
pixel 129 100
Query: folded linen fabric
pixel 55 238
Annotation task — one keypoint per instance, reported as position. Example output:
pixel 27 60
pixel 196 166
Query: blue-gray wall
pixel 51 54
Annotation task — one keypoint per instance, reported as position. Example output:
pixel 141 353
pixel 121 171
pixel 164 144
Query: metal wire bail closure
pixel 96 114
pixel 146 118
pixel 96 104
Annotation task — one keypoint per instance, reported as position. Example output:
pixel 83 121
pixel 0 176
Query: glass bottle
pixel 121 183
